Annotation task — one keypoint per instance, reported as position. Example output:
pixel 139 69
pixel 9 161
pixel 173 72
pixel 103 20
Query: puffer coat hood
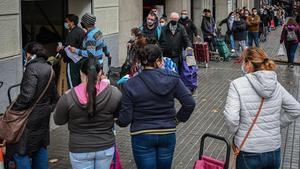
pixel 263 82
pixel 243 101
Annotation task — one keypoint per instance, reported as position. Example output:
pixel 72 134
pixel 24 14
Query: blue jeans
pixel 39 160
pixel 290 52
pixel 253 36
pixel 92 160
pixel 268 160
pixel 153 151
pixel 240 45
pixel 231 38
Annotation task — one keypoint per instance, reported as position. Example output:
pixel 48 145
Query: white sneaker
pixel 232 50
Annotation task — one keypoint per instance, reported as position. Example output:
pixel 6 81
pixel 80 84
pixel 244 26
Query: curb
pixel 285 62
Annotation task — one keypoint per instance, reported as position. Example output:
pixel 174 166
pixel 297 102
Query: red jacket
pixel 290 27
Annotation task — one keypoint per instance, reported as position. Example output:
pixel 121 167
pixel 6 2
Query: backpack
pixel 291 35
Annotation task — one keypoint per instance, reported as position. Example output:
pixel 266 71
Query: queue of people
pixel 92 105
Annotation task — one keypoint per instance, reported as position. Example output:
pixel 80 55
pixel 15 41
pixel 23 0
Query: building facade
pixel 28 20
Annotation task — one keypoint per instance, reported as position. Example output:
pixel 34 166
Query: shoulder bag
pixel 13 123
pixel 236 150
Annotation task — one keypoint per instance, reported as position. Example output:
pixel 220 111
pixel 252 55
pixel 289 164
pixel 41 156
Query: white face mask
pixel 30 58
pixel 244 72
pixel 66 25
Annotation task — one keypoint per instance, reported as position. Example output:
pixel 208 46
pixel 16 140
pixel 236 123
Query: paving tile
pixel 207 117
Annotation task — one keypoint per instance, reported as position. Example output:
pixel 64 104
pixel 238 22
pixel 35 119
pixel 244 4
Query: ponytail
pixel 91 68
pixel 259 59
pixel 268 64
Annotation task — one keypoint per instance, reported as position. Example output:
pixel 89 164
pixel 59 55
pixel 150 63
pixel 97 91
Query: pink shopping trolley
pixel 206 162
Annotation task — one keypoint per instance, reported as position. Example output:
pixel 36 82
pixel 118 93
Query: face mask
pixel 246 14
pixel 254 13
pixel 173 23
pixel 244 72
pixel 66 25
pixel 150 22
pixel 184 16
pixel 162 24
pixel 30 58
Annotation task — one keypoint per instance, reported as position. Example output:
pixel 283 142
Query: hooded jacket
pixel 89 134
pixel 208 26
pixel 154 33
pixel 148 102
pixel 243 101
pixel 284 34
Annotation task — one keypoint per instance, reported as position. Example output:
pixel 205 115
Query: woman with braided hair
pixel 89 109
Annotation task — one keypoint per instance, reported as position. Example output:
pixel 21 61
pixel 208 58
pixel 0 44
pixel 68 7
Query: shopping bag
pixel 116 162
pixel 208 163
pixel 190 57
pixel 281 51
pixel 189 76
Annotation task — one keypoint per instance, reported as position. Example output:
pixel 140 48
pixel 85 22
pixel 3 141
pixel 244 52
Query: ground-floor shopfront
pixel 22 21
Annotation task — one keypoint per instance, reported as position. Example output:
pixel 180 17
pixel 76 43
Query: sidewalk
pixel 273 47
pixel 207 117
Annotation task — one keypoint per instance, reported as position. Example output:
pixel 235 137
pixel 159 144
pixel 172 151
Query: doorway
pixel 160 5
pixel 43 20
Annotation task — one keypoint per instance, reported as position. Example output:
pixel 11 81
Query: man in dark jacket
pixel 174 39
pixel 239 29
pixel 265 20
pixel 151 28
pixel 75 38
pixel 229 22
pixel 189 26
pixel 208 29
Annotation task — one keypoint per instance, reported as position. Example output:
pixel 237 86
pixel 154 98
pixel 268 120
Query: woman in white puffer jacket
pixel 262 147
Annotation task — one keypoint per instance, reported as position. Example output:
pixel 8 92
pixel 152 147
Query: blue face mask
pixel 244 72
pixel 66 25
pixel 184 16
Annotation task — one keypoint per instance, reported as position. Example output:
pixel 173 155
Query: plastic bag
pixel 281 51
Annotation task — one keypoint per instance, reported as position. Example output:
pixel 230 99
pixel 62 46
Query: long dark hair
pixel 91 67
